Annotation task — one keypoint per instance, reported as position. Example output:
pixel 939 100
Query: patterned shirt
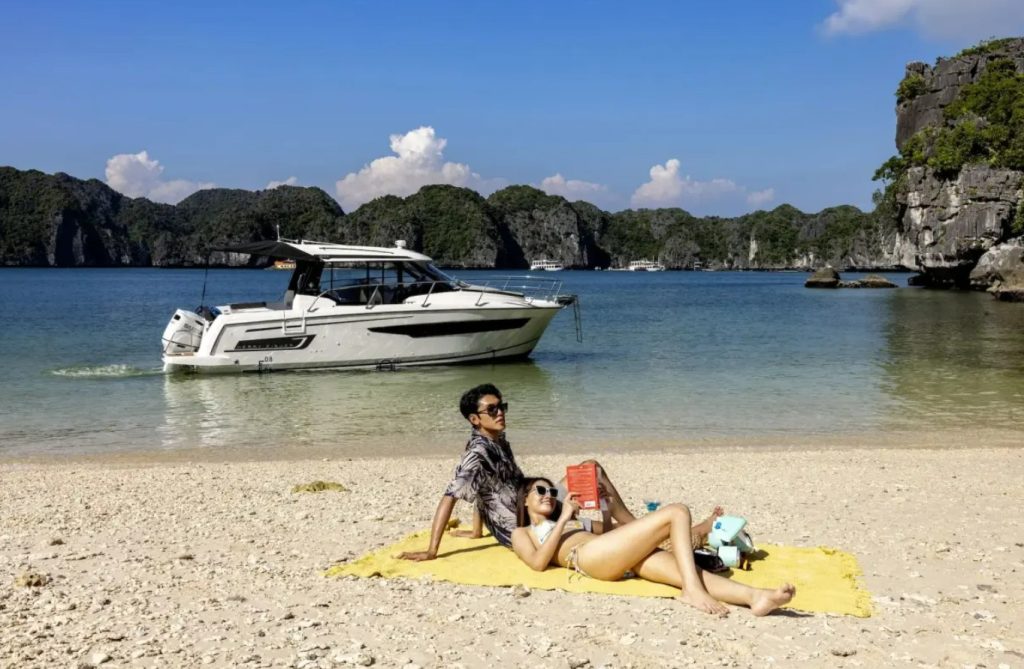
pixel 489 477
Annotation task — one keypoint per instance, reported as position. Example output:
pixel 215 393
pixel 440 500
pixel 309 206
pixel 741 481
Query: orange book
pixel 582 480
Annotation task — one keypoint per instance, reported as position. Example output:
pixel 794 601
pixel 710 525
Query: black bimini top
pixel 273 249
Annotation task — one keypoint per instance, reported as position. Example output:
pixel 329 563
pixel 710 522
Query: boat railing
pixel 530 287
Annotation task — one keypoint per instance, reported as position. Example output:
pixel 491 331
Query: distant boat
pixel 646 266
pixel 283 264
pixel 697 266
pixel 546 265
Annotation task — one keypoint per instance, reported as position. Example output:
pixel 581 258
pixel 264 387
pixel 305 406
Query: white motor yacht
pixel 546 265
pixel 646 266
pixel 363 307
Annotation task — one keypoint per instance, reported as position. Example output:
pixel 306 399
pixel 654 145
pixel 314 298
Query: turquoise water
pixel 665 357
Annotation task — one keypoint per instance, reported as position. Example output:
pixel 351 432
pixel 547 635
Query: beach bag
pixel 731 542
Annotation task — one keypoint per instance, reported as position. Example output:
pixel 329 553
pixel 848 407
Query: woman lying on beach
pixel 541 541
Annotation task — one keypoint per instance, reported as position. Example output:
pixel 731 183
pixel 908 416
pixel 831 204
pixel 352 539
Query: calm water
pixel 667 356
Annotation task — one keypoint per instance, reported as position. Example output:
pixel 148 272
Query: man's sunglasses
pixel 493 409
pixel 543 490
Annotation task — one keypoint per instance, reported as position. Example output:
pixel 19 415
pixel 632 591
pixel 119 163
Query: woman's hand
pixel 570 506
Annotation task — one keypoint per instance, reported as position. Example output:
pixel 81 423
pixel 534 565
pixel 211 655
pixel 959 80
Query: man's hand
pixel 417 556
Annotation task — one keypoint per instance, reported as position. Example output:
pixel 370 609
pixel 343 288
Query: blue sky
pixel 720 108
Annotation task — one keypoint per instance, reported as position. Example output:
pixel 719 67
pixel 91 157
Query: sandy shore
pixel 185 564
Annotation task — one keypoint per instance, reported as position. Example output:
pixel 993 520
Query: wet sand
pixel 188 563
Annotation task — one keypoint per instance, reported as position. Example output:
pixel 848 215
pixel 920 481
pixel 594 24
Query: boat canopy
pixel 325 252
pixel 272 249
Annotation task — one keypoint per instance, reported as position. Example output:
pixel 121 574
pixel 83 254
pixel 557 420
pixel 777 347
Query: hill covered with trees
pixel 60 221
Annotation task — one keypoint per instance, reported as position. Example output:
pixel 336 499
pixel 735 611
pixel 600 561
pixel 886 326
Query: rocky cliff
pixel 60 221
pixel 957 181
pixel 57 220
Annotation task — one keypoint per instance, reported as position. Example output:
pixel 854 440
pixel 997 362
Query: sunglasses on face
pixel 543 490
pixel 493 409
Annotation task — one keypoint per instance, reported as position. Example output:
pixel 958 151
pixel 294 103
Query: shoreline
pixel 533 443
pixel 219 563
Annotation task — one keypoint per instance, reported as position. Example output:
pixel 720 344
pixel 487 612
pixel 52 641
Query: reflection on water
pixel 954 360
pixel 389 410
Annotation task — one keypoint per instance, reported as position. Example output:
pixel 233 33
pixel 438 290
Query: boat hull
pixel 359 338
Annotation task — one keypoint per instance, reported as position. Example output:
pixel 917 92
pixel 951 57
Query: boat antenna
pixel 278 226
pixel 206 273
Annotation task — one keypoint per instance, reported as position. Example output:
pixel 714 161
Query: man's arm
pixel 437 528
pixel 478 527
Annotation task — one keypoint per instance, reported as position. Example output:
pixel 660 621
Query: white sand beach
pixel 176 564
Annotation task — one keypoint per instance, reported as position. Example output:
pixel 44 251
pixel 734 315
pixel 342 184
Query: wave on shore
pixel 104 371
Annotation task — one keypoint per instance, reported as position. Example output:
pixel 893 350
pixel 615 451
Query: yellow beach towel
pixel 826 579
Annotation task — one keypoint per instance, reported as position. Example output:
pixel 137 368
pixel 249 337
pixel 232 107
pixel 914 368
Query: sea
pixel 656 360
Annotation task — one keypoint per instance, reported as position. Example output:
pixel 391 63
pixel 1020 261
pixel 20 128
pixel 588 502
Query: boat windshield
pixel 441 276
pixel 359 283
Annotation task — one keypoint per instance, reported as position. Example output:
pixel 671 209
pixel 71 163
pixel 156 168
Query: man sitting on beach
pixel 489 478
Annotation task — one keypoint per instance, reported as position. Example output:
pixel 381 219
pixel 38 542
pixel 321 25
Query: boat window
pixel 391 282
pixel 305 279
pixel 437 275
pixel 352 274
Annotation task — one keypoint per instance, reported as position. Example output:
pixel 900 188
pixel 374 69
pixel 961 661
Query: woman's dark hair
pixel 470 401
pixel 523 518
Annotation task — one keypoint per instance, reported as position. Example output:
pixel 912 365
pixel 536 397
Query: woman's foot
pixel 766 601
pixel 702 601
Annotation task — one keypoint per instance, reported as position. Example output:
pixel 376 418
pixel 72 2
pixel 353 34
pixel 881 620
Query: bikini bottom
pixel 573 562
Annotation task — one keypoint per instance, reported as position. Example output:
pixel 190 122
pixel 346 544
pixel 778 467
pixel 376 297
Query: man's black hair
pixel 470 401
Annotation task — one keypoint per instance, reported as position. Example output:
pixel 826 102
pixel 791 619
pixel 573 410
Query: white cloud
pixel 136 175
pixel 761 197
pixel 419 161
pixel 572 189
pixel 290 181
pixel 942 19
pixel 668 188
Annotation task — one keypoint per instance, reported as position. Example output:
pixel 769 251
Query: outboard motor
pixel 183 333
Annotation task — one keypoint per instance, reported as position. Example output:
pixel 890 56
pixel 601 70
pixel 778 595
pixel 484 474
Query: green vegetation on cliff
pixel 776 233
pixel 1018 218
pixel 455 223
pixel 630 234
pixel 984 124
pixel 57 220
pixel 986 47
pixel 523 198
pixel 911 86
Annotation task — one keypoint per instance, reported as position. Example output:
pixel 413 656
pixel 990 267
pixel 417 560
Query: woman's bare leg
pixel 608 556
pixel 621 513
pixel 661 567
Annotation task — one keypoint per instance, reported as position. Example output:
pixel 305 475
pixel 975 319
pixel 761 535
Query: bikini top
pixel 544 528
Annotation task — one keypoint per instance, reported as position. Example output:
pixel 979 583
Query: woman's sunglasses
pixel 543 490
pixel 493 409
